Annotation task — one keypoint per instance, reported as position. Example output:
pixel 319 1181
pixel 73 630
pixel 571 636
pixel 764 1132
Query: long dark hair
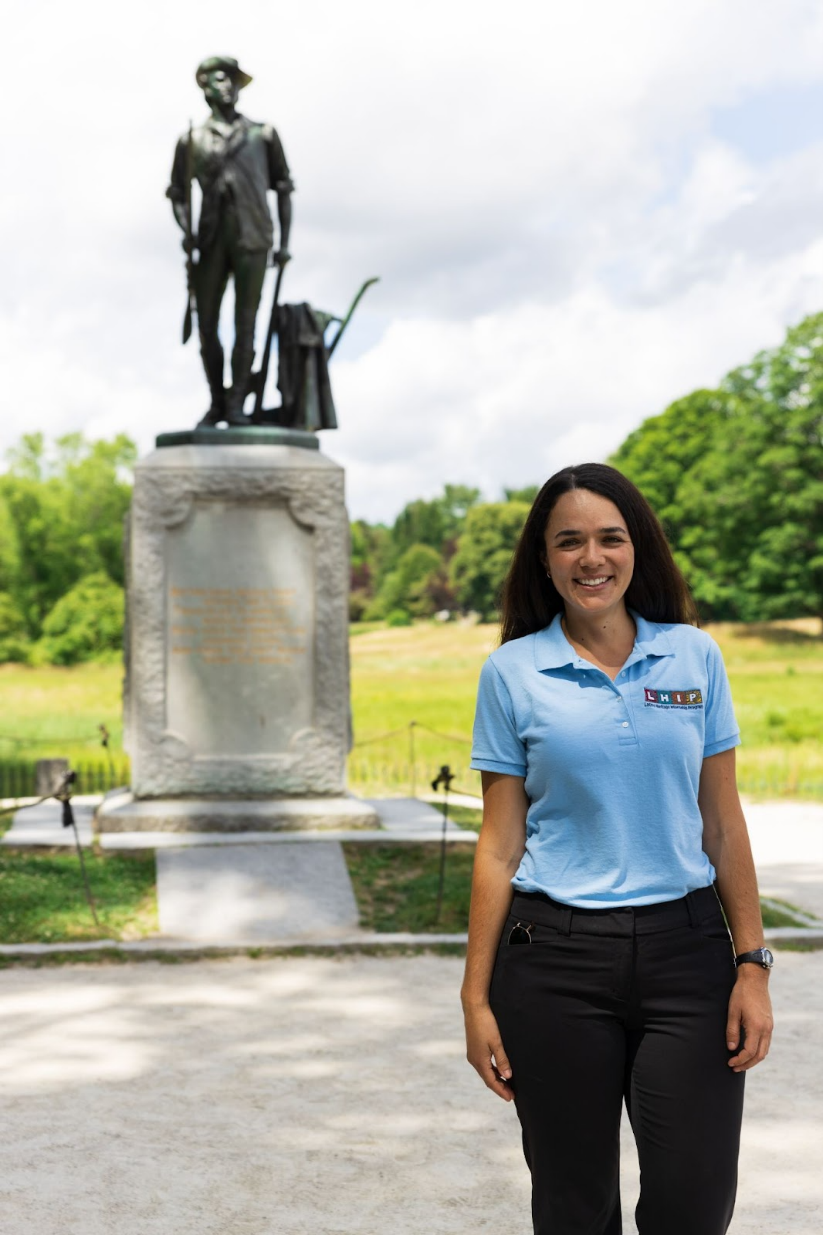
pixel 658 591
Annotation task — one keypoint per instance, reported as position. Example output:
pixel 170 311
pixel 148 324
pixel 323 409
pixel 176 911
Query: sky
pixel 578 212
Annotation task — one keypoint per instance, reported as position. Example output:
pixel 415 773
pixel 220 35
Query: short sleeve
pixel 722 731
pixel 496 746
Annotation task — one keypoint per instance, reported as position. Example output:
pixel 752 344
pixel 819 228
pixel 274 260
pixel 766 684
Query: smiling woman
pixel 612 833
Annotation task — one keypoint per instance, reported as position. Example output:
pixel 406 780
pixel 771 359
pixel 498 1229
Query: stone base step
pixel 122 812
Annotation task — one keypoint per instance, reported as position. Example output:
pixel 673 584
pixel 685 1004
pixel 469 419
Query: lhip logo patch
pixel 673 698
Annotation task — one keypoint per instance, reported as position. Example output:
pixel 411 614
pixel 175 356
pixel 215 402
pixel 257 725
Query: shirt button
pixel 625 724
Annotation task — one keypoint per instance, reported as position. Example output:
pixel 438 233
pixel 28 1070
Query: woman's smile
pixel 589 554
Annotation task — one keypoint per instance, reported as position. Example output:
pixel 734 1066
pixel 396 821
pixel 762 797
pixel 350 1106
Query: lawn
pixel 413 693
pixel 428 674
pixel 396 886
pixel 42 897
pixel 53 711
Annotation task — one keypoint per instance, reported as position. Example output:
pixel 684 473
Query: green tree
pixel 97 482
pixel 85 624
pixel 753 546
pixel 9 548
pixel 28 457
pixel 736 475
pixel 405 587
pixel 658 455
pixel 526 494
pixel 419 523
pixel 377 552
pixel 484 554
pixel 61 517
pixel 14 642
pixel 437 522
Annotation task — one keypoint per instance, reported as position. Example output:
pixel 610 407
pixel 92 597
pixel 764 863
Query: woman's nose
pixel 591 553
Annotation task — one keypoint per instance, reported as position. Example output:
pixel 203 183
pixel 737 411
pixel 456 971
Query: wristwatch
pixel 760 956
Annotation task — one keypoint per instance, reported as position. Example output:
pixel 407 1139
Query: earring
pixel 548 576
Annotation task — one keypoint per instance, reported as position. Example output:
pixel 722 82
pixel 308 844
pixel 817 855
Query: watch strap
pixel 760 956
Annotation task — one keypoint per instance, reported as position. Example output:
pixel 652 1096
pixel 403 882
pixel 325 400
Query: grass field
pixel 427 674
pixel 54 711
pixel 413 701
pixel 42 897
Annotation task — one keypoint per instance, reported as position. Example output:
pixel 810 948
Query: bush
pixel 85 624
pixel 398 617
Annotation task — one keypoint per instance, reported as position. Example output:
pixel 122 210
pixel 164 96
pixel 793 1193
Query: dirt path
pixel 312 1096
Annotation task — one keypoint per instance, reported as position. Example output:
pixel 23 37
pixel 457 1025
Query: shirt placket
pixel 623 684
pixel 621 704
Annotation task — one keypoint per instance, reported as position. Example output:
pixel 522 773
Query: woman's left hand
pixel 749 1024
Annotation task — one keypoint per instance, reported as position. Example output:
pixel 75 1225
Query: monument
pixel 237 689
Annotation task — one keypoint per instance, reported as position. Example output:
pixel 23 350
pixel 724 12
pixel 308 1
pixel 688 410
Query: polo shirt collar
pixel 553 651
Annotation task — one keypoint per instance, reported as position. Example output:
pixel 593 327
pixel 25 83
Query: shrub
pixel 85 624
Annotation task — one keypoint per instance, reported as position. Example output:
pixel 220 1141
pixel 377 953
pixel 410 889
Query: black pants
pixel 611 1005
pixel 223 258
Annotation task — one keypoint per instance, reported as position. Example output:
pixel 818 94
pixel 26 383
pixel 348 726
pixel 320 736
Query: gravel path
pixel 315 1096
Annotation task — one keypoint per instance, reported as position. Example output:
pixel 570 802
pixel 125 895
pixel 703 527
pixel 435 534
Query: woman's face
pixel 588 553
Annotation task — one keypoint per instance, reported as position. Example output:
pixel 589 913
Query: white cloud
pixel 564 246
pixel 544 386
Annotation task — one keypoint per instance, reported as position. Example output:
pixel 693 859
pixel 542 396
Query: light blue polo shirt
pixel 611 769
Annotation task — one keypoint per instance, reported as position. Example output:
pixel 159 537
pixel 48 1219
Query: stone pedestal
pixel 237 681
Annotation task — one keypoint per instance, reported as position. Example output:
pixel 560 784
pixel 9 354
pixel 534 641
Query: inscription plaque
pixel 239 650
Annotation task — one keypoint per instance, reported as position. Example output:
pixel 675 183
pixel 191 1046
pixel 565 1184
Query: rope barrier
pixel 380 738
pixel 12 810
pixel 413 724
pixel 444 737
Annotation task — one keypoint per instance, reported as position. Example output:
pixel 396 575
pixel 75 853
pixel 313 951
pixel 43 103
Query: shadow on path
pixel 317 1096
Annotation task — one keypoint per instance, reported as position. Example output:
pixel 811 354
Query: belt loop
pixel 564 924
pixel 694 920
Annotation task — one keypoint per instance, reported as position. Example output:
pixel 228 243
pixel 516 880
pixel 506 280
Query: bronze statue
pixel 235 161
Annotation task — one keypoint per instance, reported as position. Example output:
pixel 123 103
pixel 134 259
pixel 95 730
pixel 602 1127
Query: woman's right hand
pixel 484 1050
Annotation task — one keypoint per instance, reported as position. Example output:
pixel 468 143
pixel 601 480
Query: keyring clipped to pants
pixel 520 933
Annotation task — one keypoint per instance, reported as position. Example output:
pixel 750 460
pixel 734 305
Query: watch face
pixel 768 959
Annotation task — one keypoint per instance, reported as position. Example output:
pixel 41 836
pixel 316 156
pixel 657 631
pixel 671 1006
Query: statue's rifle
pixel 348 316
pixel 191 303
pixel 260 377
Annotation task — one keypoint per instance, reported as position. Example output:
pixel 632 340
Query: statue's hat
pixel 227 63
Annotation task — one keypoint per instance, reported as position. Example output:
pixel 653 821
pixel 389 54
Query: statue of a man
pixel 235 161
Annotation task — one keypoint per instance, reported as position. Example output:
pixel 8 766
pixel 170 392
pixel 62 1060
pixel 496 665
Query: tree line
pixel 735 474
pixel 61 548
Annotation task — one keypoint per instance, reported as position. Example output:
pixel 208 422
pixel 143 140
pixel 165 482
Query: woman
pixel 599 966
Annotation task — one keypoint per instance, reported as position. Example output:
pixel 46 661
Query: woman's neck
pixel 608 638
